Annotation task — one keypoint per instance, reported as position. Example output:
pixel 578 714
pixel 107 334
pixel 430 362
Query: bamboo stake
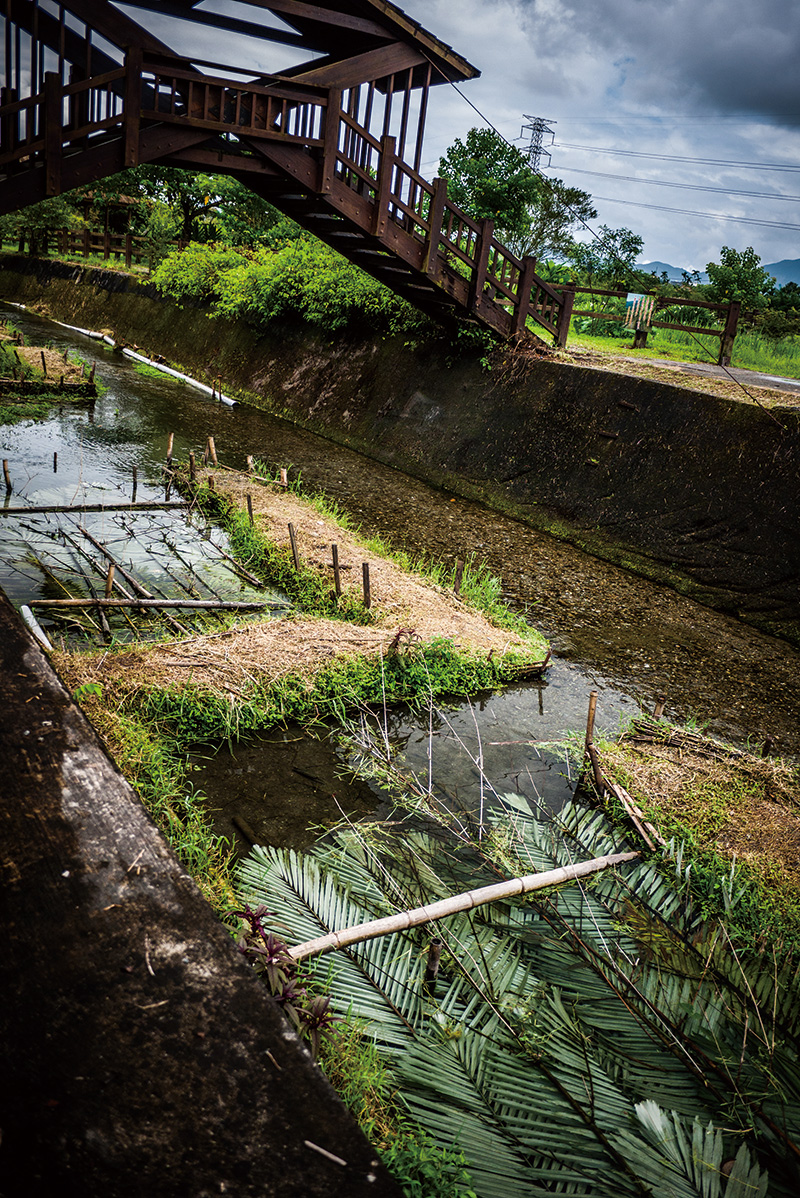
pixel 337 578
pixel 661 701
pixel 212 452
pixel 295 554
pixel 135 484
pixel 365 577
pixel 459 577
pixel 249 498
pixel 170 444
pixel 7 476
pixel 460 902
pixel 284 477
pixel 110 579
pixel 192 467
pixel 250 463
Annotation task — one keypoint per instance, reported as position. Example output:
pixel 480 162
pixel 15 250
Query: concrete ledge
pixel 138 1053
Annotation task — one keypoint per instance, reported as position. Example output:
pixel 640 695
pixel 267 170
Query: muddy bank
pixel 686 488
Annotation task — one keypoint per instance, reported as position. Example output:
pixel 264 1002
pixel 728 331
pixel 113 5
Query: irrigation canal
pixel 610 630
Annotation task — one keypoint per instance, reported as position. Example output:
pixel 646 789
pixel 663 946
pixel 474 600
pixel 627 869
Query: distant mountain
pixel 785 271
pixel 674 273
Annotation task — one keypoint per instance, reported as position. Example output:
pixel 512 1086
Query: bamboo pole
pixel 211 604
pixel 7 476
pixel 212 452
pixel 92 507
pixel 460 902
pixel 170 444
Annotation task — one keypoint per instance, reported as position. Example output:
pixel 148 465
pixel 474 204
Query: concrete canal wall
pixel 139 1053
pixel 689 489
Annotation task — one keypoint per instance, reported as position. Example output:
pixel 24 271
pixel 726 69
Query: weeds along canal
pixel 610 629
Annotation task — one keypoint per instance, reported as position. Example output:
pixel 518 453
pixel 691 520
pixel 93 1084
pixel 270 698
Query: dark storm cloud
pixel 720 55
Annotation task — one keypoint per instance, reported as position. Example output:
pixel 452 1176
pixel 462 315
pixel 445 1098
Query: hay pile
pixel 263 651
pixel 54 361
pixel 740 804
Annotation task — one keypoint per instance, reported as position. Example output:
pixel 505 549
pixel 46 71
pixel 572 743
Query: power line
pixel 728 191
pixel 740 220
pixel 761 166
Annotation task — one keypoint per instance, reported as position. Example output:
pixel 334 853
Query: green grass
pixel 751 350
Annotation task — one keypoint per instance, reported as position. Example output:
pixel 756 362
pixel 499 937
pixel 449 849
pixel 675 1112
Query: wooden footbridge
pixel 320 108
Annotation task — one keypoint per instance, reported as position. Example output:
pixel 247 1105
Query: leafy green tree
pixel 739 275
pixel 609 260
pixel 490 179
pixel 786 298
pixel 557 212
pixel 41 220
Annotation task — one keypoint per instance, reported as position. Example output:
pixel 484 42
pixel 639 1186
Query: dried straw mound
pixel 399 599
pixel 407 612
pixel 228 661
pixel 735 802
pixel 56 366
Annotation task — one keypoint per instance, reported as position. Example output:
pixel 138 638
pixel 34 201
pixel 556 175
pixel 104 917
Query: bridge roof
pixel 338 30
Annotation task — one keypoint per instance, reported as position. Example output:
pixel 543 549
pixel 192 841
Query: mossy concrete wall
pixel 686 488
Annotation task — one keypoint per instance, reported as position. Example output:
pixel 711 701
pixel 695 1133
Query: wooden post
pixel 170 443
pixel 192 467
pixel 729 334
pixel 9 124
pixel 55 463
pixel 565 316
pixel 135 484
pixel 435 217
pixel 365 576
pixel 110 579
pixel 284 477
pixel 44 362
pixel 250 507
pixel 330 141
pixel 337 578
pixel 91 372
pixel 295 554
pixel 7 476
pixel 482 249
pixel 250 465
pixel 590 720
pixel 211 486
pixel 524 293
pixel 383 188
pixel 132 102
pixel 659 707
pixel 53 131
pixel 128 250
pixel 459 577
pixel 212 451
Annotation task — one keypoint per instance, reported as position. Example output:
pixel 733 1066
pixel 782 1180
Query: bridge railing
pixel 384 195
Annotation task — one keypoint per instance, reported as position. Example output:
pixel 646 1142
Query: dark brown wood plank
pixel 362 68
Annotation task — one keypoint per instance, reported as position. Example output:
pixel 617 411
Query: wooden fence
pixel 727 314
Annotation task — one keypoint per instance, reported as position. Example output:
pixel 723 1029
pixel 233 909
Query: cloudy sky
pixel 676 79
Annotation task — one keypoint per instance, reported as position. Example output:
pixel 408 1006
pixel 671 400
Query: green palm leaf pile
pixel 599 1039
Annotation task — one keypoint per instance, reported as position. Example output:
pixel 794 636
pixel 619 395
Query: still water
pixel 611 631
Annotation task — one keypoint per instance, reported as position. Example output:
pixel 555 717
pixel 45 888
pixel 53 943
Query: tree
pixel 556 213
pixel 608 260
pixel 740 276
pixel 488 178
